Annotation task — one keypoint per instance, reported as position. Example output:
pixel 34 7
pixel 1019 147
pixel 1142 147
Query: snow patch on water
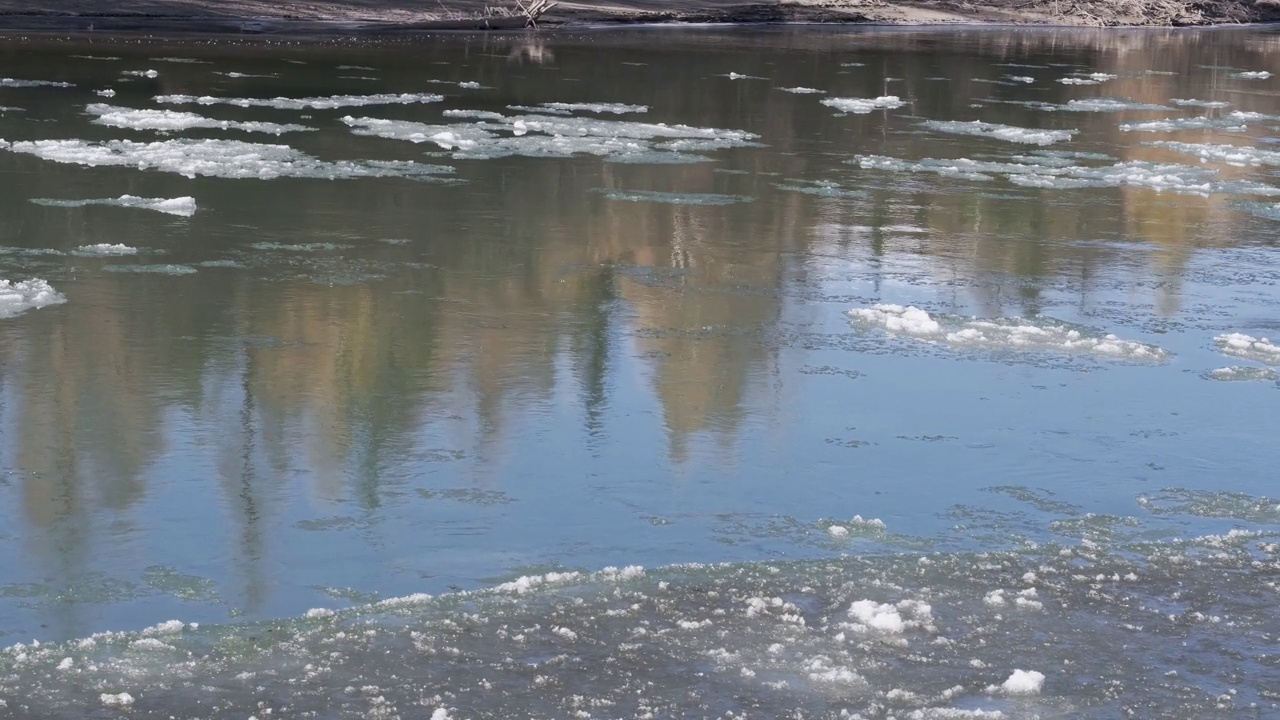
pixel 218 158
pixel 19 297
pixel 862 106
pixel 172 121
pixel 1020 334
pixel 1248 347
pixel 181 206
pixel 309 103
pixel 1008 133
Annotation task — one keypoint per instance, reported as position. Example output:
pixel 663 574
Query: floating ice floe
pixel 219 158
pixel 1192 102
pixel 181 206
pixel 1248 347
pixel 105 250
pixel 862 106
pixel 674 198
pixel 553 136
pixel 1238 373
pixel 740 76
pixel 1251 75
pixel 1020 78
pixel 15 83
pixel 1051 173
pixel 152 269
pixel 1019 334
pixel 1023 682
pixel 1100 104
pixel 233 74
pixel 1225 124
pixel 1008 133
pixel 141 73
pixel 19 297
pixel 181 61
pixel 1229 154
pixel 821 188
pixel 107 93
pixel 804 91
pixel 614 108
pixel 165 121
pixel 1078 81
pixel 309 103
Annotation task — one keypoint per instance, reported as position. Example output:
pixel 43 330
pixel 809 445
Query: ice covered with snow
pixel 862 106
pixel 890 619
pixel 1023 682
pixel 105 250
pixel 181 206
pixel 23 295
pixel 1003 334
pixel 308 103
pixel 1248 347
pixel 495 135
pixel 1251 75
pixel 1228 123
pixel 1192 102
pixel 613 108
pixel 218 158
pixel 1008 133
pixel 18 83
pixel 1229 154
pixel 167 121
pixel 804 91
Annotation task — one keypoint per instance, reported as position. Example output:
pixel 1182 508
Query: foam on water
pixel 309 103
pixel 23 295
pixel 1004 334
pixel 674 198
pixel 167 121
pixel 1008 133
pixel 1229 154
pixel 218 158
pixel 553 136
pixel 181 206
pixel 862 106
pixel 17 83
pixel 1248 347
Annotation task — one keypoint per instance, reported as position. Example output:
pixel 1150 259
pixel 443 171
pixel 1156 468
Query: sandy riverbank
pixel 343 17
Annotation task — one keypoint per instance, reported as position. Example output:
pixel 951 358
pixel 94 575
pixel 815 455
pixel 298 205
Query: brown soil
pixel 327 17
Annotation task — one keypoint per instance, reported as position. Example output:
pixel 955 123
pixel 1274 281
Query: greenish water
pixel 954 342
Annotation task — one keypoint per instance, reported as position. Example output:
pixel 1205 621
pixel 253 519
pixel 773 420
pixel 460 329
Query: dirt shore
pixel 371 17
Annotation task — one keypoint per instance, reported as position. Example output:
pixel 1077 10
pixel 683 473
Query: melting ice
pixel 172 121
pixel 1019 334
pixel 1009 133
pixel 309 103
pixel 181 206
pixel 19 297
pixel 862 106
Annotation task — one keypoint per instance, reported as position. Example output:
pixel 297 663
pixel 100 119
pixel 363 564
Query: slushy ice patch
pixel 23 295
pixel 1102 630
pixel 1011 334
pixel 1248 347
pixel 167 121
pixel 181 206
pixel 309 103
pixel 218 158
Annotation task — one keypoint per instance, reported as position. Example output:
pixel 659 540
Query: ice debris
pixel 1238 373
pixel 1248 347
pixel 1251 75
pixel 105 250
pixel 1018 334
pixel 180 206
pixel 862 106
pixel 1192 102
pixel 1229 154
pixel 1023 682
pixel 141 73
pixel 171 121
pixel 19 297
pixel 307 103
pixel 804 91
pixel 614 108
pixel 218 158
pixel 1008 133
pixel 16 83
pixel 1229 123
pixel 674 198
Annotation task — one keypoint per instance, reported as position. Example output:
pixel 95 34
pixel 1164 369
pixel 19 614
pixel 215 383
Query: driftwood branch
pixel 534 10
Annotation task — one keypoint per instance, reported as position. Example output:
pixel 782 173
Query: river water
pixel 649 374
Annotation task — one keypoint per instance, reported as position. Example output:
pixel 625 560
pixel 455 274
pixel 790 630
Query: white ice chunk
pixel 614 108
pixel 1040 334
pixel 16 83
pixel 1008 133
pixel 1248 347
pixel 141 73
pixel 1023 682
pixel 1229 123
pixel 123 699
pixel 218 158
pixel 308 103
pixel 105 249
pixel 1237 373
pixel 862 106
pixel 19 297
pixel 1229 154
pixel 107 93
pixel 1191 102
pixel 181 206
pixel 1252 75
pixel 804 91
pixel 172 121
